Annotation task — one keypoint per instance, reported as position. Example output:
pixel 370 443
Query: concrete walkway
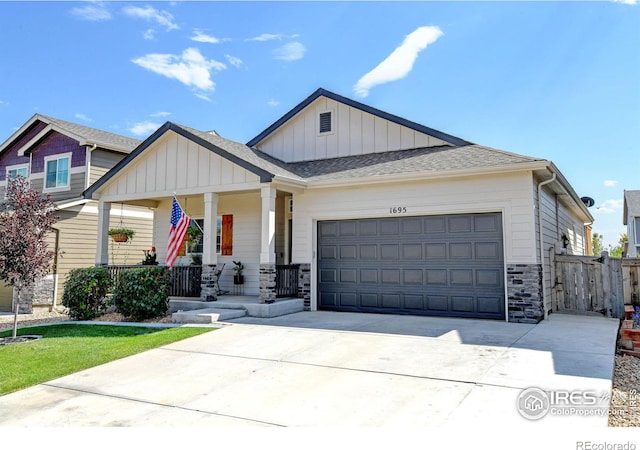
pixel 326 369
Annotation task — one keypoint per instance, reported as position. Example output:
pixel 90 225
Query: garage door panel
pixel 437 303
pixel 432 265
pixel 328 276
pixel 348 275
pixel 390 301
pixel 462 303
pixel 487 250
pixel 461 277
pixel 348 252
pixel 435 250
pixel 348 299
pixel 436 276
pixel 389 252
pixel 369 299
pixel 414 302
pixel 487 223
pixel 490 305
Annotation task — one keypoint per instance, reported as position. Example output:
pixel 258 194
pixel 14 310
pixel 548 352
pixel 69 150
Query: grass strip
pixel 69 348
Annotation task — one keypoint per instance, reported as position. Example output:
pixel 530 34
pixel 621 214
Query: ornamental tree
pixel 26 217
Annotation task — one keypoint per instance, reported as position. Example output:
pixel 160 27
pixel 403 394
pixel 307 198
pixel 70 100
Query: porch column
pixel 209 255
pixel 102 250
pixel 268 247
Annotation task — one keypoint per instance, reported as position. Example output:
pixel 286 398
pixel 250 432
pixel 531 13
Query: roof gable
pixel 240 155
pixel 82 134
pixel 447 138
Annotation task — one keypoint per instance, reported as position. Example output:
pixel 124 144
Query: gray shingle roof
pixel 248 154
pixel 420 160
pixel 398 162
pixel 104 139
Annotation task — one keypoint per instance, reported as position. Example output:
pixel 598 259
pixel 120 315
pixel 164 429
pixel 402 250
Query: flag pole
pixel 185 211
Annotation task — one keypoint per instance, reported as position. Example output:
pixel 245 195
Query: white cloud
pixel 610 183
pixel 235 61
pixel 626 2
pixel 190 68
pixel 144 128
pixel 400 62
pixel 161 114
pixel 94 12
pixel 273 102
pixel 83 117
pixel 200 36
pixel 610 206
pixel 290 52
pixel 150 14
pixel 149 35
pixel 271 37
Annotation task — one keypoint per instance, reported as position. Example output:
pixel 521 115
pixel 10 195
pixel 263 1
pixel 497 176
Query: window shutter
pixel 227 235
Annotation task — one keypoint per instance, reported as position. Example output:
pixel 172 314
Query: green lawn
pixel 69 348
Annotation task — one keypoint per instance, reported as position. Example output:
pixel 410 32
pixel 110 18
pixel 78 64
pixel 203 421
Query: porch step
pixel 207 315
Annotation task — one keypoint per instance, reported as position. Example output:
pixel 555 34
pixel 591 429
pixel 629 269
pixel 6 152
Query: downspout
pixel 55 266
pixel 540 238
pixel 87 172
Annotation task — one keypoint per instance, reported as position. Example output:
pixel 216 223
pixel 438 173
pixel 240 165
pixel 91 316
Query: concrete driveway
pixel 325 369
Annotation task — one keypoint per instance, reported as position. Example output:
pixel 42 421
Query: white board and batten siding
pixel 509 194
pixel 176 164
pixel 247 223
pixel 354 132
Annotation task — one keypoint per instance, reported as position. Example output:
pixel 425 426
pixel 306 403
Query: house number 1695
pixel 398 210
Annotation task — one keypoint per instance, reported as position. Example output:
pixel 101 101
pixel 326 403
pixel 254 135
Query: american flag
pixel 179 224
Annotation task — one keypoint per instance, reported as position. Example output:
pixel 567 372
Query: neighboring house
pixel 63 159
pixel 631 218
pixel 382 214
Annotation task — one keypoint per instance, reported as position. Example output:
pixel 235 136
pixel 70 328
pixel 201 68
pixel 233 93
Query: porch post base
pixel 525 293
pixel 304 285
pixel 267 283
pixel 209 283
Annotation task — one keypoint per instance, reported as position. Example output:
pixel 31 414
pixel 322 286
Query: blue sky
pixel 557 80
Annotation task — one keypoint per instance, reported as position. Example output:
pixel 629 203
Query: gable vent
pixel 325 122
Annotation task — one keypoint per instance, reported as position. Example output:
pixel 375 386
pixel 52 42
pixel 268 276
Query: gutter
pixel 540 238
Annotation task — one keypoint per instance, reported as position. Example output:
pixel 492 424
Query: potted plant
pixel 121 234
pixel 238 268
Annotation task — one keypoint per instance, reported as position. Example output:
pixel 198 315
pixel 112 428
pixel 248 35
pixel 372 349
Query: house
pixel 631 218
pixel 63 159
pixel 378 213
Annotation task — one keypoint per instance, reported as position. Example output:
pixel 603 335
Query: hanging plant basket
pixel 121 234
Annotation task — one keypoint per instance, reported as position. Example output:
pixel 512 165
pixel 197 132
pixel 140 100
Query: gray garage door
pixel 430 265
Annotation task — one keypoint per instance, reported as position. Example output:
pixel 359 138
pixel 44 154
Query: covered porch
pixel 241 204
pixel 252 228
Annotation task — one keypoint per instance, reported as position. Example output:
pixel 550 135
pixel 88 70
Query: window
pixel 15 171
pixel 199 246
pixel 224 236
pixel 636 226
pixel 218 234
pixel 57 172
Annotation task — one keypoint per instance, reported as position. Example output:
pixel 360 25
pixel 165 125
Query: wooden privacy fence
pixel 589 283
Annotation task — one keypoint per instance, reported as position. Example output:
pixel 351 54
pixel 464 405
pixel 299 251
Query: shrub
pixel 142 293
pixel 85 292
